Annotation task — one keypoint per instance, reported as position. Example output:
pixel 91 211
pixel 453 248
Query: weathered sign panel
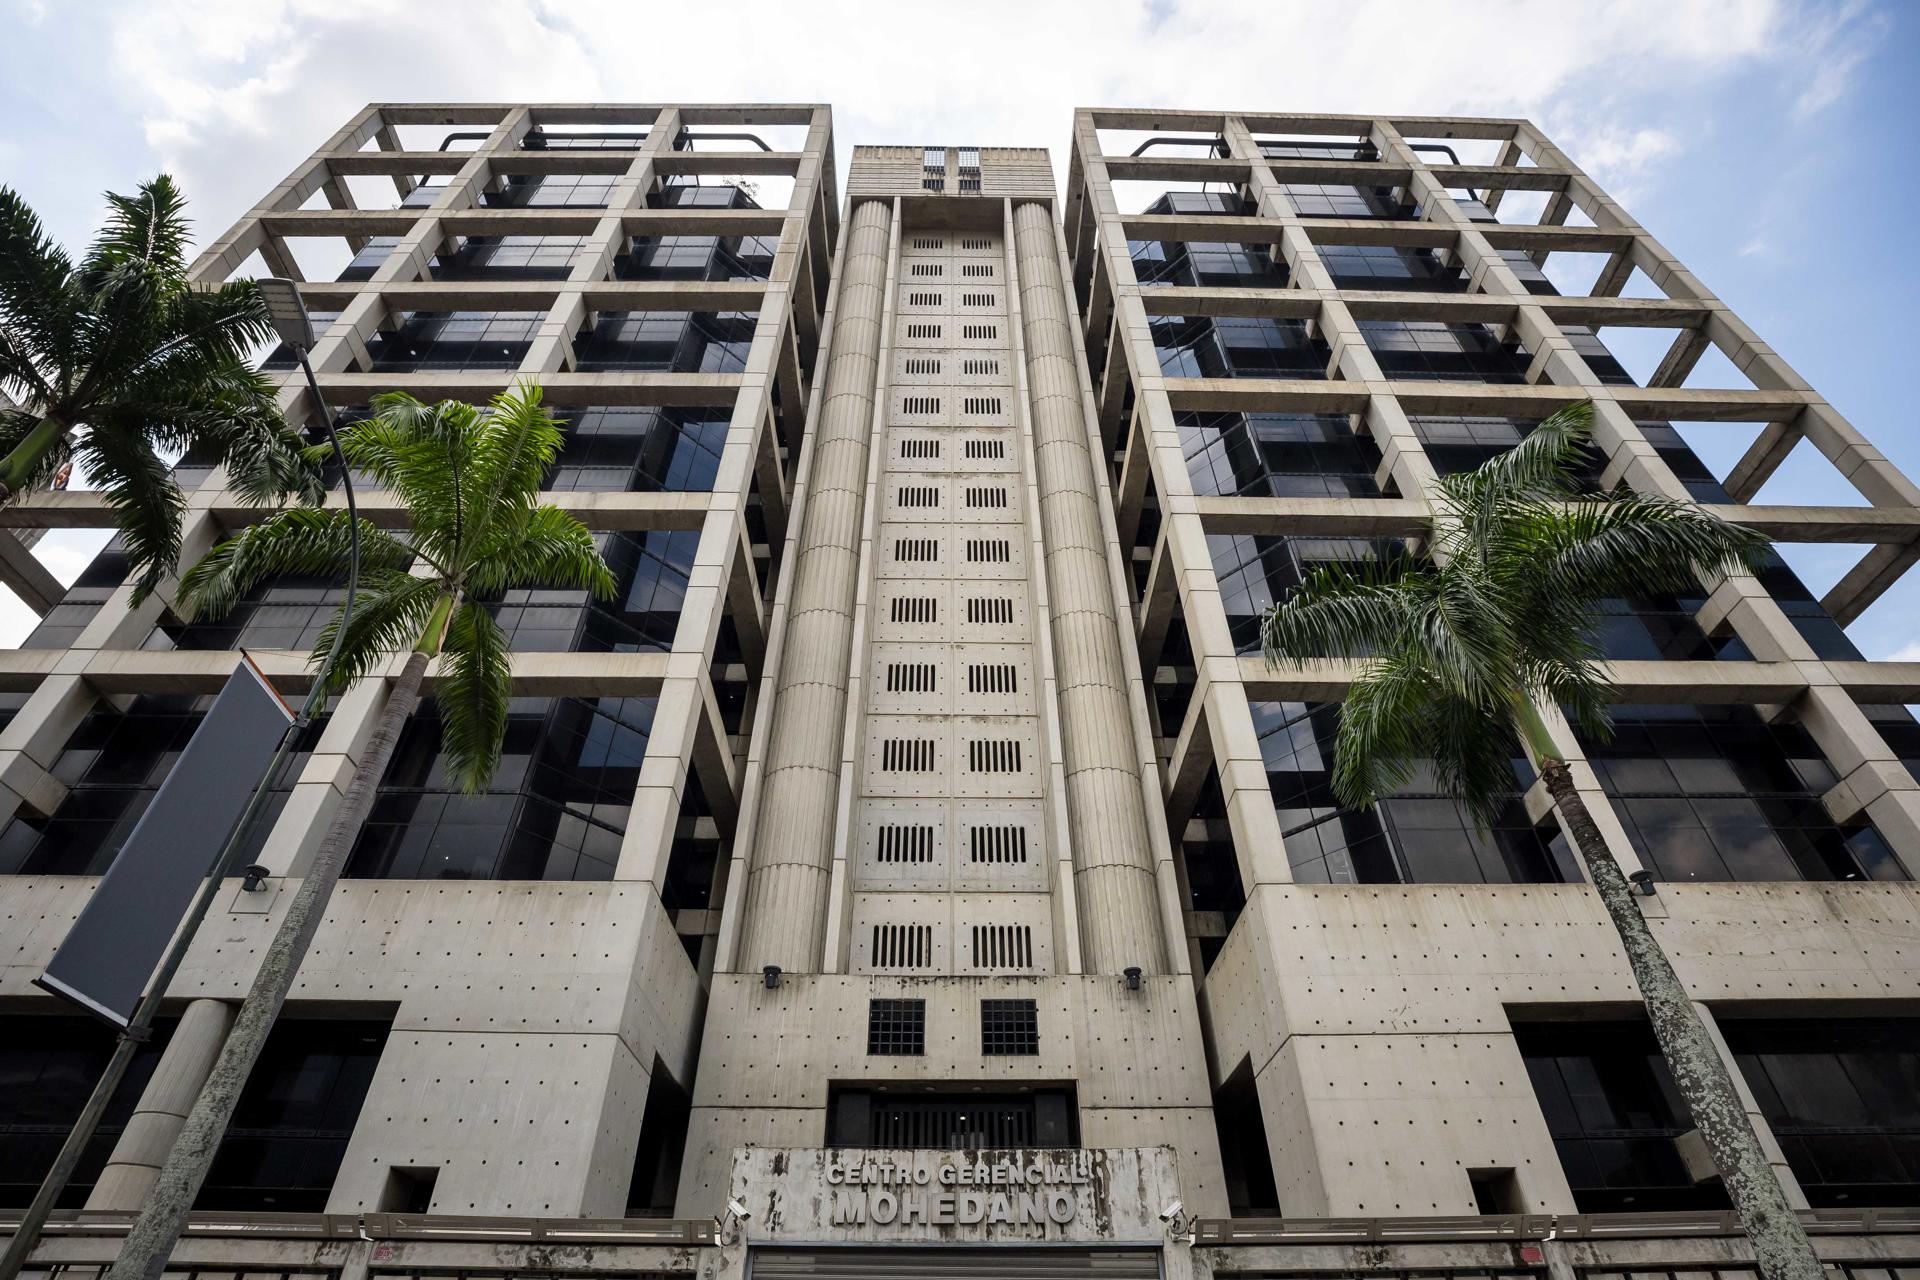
pixel 849 1194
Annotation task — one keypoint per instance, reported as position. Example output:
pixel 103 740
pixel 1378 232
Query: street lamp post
pixel 290 322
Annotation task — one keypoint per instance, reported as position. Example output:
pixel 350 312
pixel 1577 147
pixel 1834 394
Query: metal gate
pixel 940 1262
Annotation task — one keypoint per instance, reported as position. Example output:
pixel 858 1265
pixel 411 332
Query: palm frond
pixel 1473 747
pixel 299 541
pixel 473 695
pixel 1343 611
pixel 538 546
pixel 1638 544
pixel 148 229
pixel 1384 725
pixel 1545 459
pixel 390 610
pixel 147 503
pixel 36 275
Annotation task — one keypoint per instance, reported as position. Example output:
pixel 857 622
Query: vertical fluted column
pixel 791 871
pixel 1113 860
pixel 134 1166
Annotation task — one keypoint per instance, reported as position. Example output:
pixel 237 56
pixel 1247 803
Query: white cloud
pixel 231 94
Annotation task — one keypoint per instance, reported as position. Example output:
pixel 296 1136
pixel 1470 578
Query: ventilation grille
pixel 896 1028
pixel 977 270
pixel 978 332
pixel 1003 946
pixel 916 550
pixel 969 185
pixel 928 270
pixel 906 755
pixel 976 299
pixel 992 677
pixel 900 842
pixel 989 551
pixel 1009 1027
pixel 991 755
pixel 911 677
pixel 997 845
pixel 990 609
pixel 923 331
pixel 918 495
pixel 986 366
pixel 980 404
pixel 916 609
pixel 986 448
pixel 905 946
pixel 975 242
pixel 920 298
pixel 923 364
pixel 919 448
pixel 929 242
pixel 920 404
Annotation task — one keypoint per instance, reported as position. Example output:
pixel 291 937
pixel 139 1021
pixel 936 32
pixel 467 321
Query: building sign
pixel 855 1195
pixel 999 1188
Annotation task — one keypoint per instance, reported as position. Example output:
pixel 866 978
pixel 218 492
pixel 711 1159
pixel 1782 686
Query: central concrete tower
pixel 953 868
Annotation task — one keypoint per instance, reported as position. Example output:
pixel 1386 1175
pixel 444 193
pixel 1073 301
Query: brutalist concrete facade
pixel 951 557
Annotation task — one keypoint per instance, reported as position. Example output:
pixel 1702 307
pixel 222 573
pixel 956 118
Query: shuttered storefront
pixel 983 1262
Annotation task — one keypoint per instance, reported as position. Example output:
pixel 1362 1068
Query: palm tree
pixel 119 360
pixel 1458 649
pixel 471 479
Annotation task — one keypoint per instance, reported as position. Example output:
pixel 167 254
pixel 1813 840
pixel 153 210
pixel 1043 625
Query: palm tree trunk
pixel 151 1239
pixel 1780 1244
pixel 24 459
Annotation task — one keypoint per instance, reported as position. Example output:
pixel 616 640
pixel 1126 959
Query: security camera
pixel 1171 1214
pixel 738 1210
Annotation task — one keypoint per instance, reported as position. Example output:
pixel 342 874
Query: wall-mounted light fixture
pixel 1642 883
pixel 772 975
pixel 1132 973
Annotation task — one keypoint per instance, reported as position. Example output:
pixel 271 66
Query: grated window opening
pixel 912 677
pixel 897 1028
pixel 986 449
pixel 906 755
pixel 928 270
pixel 923 331
pixel 921 298
pixel 989 551
pixel 990 609
pixel 976 270
pixel 976 299
pixel 1002 946
pixel 915 609
pixel 979 332
pixel 993 755
pixel 980 404
pixel 1000 844
pixel 920 404
pixel 986 366
pixel 918 495
pixel 902 946
pixel 916 550
pixel 929 242
pixel 975 242
pixel 992 677
pixel 923 364
pixel 919 448
pixel 905 843
pixel 1009 1027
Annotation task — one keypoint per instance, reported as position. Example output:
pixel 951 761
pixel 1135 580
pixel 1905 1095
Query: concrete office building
pixel 916 853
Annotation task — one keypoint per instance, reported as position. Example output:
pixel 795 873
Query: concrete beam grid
pixel 1218 732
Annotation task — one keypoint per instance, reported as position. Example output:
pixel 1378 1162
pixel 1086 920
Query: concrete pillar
pixel 1120 919
pixel 134 1166
pixel 791 869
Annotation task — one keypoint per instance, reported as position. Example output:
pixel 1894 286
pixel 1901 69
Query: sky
pixel 1769 144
